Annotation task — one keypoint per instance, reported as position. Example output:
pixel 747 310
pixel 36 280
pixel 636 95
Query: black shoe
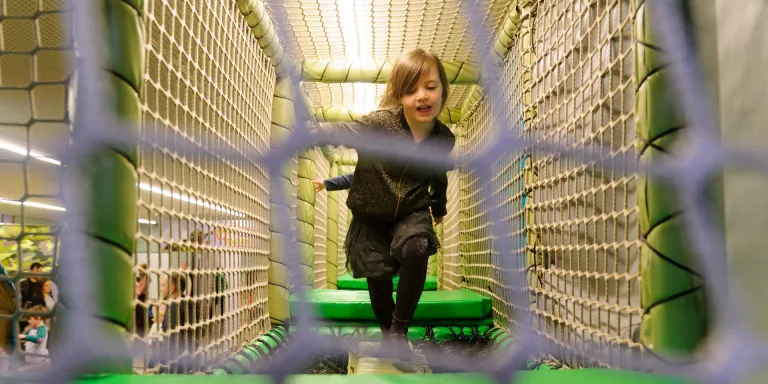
pixel 397 346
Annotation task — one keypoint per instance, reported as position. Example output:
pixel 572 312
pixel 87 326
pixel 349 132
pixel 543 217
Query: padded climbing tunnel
pixel 168 187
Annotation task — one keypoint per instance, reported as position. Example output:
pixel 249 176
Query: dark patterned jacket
pixel 388 189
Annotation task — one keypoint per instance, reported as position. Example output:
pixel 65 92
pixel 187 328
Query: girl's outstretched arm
pixel 333 184
pixel 340 182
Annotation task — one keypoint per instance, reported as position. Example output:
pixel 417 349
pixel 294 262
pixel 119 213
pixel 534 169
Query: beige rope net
pixel 579 222
pixel 481 269
pixel 207 217
pixel 584 217
pixel 450 270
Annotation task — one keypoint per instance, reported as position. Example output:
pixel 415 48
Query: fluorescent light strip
pixel 23 151
pixel 192 200
pixel 32 204
pixel 54 208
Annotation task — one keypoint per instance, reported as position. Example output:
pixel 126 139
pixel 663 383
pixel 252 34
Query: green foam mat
pixel 331 304
pixel 371 331
pixel 568 376
pixel 347 282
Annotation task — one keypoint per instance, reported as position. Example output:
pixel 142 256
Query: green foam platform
pixel 331 304
pixel 347 282
pixel 569 376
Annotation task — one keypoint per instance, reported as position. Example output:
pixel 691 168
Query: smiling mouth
pixel 424 109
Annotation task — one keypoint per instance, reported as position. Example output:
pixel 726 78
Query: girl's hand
pixel 22 336
pixel 319 184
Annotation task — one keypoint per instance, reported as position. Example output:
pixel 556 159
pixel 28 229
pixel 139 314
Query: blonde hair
pixel 408 69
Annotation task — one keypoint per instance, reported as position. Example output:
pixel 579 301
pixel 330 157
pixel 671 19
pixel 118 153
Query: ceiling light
pixel 32 204
pixel 53 208
pixel 23 151
pixel 160 191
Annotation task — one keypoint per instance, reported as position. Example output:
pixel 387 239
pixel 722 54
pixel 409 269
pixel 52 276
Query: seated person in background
pixel 26 286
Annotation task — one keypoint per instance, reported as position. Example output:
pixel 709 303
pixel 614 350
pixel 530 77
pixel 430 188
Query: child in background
pixel 35 337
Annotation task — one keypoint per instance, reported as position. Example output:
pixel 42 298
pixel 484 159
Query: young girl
pixel 391 230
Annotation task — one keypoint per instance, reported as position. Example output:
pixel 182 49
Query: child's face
pixel 423 103
pixel 164 287
pixel 35 321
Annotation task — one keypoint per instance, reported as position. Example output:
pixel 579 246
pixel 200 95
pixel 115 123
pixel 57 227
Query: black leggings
pixel 413 273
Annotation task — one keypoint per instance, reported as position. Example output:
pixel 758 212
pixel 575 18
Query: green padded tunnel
pixel 603 253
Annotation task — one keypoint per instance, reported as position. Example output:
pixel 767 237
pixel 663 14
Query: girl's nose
pixel 421 94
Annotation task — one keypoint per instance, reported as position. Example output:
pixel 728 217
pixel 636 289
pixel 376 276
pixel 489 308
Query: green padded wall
pixel 333 247
pixel 283 109
pixel 321 171
pixel 674 320
pixel 306 215
pixel 261 25
pixel 279 282
pixel 109 178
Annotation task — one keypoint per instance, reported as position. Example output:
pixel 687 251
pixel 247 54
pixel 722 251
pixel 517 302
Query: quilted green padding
pixel 114 180
pixel 332 247
pixel 450 115
pixel 475 94
pixel 507 33
pixel 268 342
pixel 305 213
pixel 434 305
pixel 341 71
pixel 346 281
pixel 126 23
pixel 108 177
pixel 559 376
pixel 279 282
pixel 256 350
pixel 334 113
pixel 264 31
pixel 501 46
pixel 415 333
pixel 674 320
pixel 113 268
